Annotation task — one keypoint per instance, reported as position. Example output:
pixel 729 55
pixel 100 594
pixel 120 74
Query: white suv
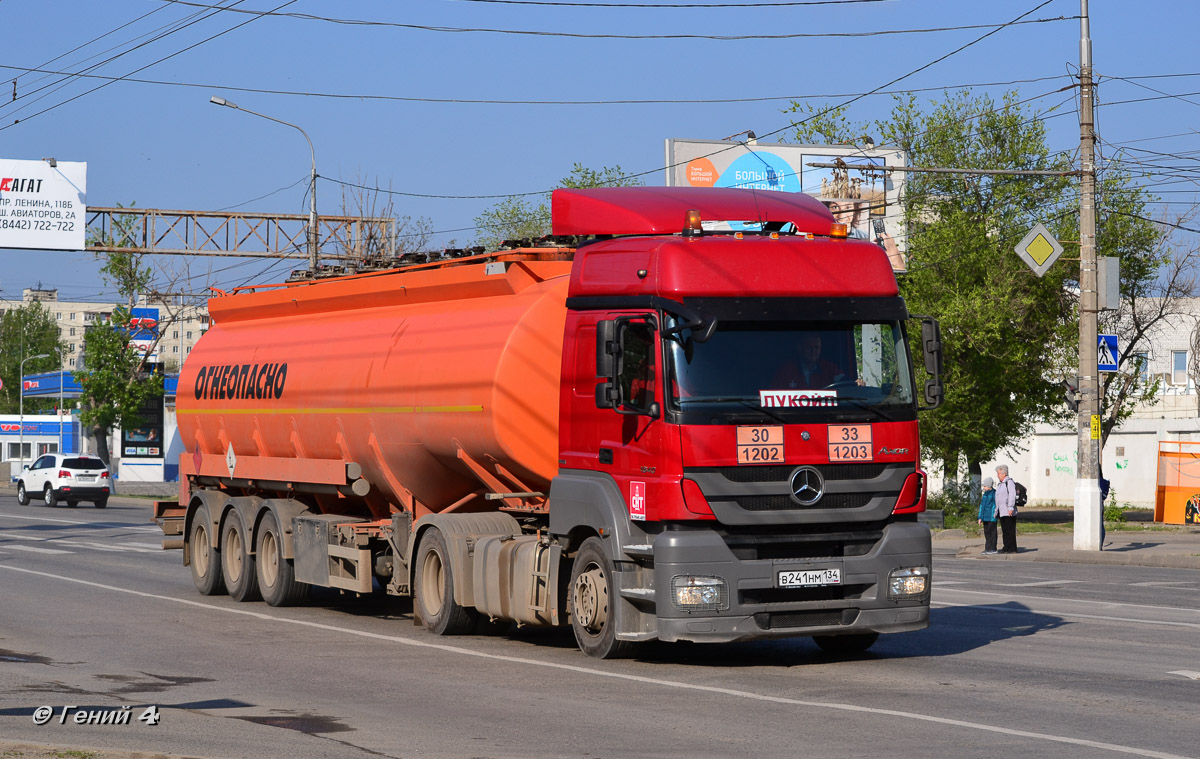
pixel 65 477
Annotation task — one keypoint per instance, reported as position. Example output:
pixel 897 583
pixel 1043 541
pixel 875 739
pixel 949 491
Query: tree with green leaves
pixel 30 330
pixel 519 217
pixel 115 379
pixel 1009 336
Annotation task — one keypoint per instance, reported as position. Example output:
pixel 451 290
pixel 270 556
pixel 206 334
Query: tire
pixel 237 562
pixel 22 494
pixel 592 601
pixel 206 558
pixel 433 589
pixel 845 645
pixel 48 496
pixel 276 575
pixel 102 503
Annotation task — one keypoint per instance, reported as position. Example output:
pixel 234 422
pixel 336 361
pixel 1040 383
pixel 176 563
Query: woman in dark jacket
pixel 987 516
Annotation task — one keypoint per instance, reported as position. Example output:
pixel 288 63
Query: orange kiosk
pixel 1177 498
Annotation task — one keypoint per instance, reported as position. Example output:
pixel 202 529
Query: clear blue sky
pixel 163 146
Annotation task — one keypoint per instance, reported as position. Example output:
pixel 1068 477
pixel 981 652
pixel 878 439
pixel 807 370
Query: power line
pixel 143 68
pixel 653 6
pixel 593 35
pixel 179 25
pixel 493 101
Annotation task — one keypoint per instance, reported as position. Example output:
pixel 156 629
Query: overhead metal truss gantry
pixel 245 235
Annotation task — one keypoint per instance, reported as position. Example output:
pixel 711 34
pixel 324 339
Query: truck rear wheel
pixel 845 645
pixel 237 563
pixel 276 574
pixel 593 597
pixel 206 559
pixel 434 589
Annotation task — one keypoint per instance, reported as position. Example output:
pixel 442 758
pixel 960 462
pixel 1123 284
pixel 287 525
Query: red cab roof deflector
pixel 661 210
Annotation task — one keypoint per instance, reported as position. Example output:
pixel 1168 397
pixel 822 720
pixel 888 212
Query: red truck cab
pixel 739 412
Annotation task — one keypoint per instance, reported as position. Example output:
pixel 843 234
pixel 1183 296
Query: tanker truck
pixel 689 415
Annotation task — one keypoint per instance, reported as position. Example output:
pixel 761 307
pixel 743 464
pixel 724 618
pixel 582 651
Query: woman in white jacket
pixel 1006 510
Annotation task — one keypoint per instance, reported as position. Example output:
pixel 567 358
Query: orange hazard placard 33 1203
pixel 760 445
pixel 850 442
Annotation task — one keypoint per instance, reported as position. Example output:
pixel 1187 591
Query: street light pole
pixel 21 403
pixel 1087 485
pixel 312 190
pixel 60 398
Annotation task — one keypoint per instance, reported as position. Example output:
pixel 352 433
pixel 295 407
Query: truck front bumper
pixel 754 606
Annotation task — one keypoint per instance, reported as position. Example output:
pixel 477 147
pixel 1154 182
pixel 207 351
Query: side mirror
pixel 25 468
pixel 607 392
pixel 931 344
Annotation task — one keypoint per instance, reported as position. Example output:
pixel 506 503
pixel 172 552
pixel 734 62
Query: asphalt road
pixel 1023 659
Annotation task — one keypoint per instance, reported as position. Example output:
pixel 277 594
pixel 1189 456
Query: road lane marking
pixel 1186 673
pixel 112 525
pixel 748 695
pixel 1161 583
pixel 35 549
pixel 1012 597
pixel 1038 584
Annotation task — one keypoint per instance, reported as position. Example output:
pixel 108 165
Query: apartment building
pixel 178 325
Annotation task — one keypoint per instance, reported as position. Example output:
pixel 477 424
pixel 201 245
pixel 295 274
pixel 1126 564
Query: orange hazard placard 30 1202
pixel 760 445
pixel 850 442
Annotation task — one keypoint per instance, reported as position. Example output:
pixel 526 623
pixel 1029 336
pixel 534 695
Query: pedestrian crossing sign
pixel 1106 353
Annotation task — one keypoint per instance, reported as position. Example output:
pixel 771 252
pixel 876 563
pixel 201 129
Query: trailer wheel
pixel 206 558
pixel 845 645
pixel 434 589
pixel 592 602
pixel 276 574
pixel 237 563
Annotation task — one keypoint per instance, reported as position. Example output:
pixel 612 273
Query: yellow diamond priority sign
pixel 1039 250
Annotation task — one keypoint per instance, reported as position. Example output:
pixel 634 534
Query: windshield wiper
pixel 861 404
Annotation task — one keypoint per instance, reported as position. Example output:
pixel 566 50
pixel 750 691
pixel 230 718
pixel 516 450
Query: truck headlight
pixel 908 583
pixel 691 593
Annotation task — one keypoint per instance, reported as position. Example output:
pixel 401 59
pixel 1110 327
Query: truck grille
pixel 784 619
pixel 782 502
pixel 831 472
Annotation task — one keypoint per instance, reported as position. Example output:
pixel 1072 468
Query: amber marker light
pixel 691 224
pixel 839 230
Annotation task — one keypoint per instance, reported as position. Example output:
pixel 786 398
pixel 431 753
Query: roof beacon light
pixel 839 230
pixel 691 224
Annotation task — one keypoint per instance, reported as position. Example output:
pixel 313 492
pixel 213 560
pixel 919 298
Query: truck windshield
pixel 794 371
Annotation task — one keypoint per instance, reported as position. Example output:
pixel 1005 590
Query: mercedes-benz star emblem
pixel 807 486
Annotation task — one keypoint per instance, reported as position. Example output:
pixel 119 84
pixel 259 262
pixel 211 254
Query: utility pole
pixel 1087 486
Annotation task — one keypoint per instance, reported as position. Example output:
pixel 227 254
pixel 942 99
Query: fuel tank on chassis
pixel 396 372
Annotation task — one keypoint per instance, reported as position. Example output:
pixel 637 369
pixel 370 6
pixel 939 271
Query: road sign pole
pixel 1087 484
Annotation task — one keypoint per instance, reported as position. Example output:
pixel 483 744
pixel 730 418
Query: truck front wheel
pixel 434 589
pixel 276 574
pixel 206 559
pixel 593 599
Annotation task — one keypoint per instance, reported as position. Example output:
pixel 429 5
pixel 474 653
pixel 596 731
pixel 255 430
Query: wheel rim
pixel 433 583
pixel 268 559
pixel 48 495
pixel 590 599
pixel 233 554
pixel 21 491
pixel 201 546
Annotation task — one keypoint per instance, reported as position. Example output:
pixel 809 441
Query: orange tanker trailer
pixel 603 436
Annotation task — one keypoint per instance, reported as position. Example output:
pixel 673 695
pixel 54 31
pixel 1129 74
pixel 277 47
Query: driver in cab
pixel 810 371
